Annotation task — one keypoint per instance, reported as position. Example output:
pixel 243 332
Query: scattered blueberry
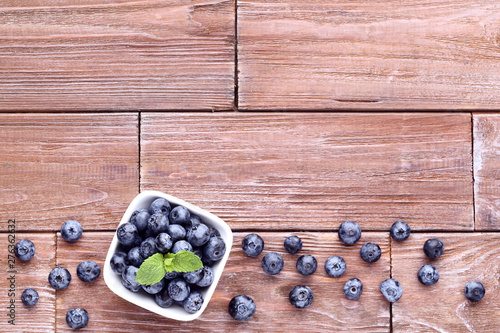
pixel 59 278
pixel 182 245
pixel 148 247
pixel 193 302
pixel 128 279
pixel 207 277
pixel 88 271
pixel 119 262
pixel 391 289
pixel 349 232
pixel 157 223
pixel 154 288
pixel 335 266
pixel 194 276
pixel 29 297
pixel 178 289
pixel 428 275
pixel 160 206
pixel 71 230
pixel 214 249
pixel 370 252
pixel 126 234
pixel 301 296
pixel 140 219
pixel 179 215
pixel 400 231
pixel 77 318
pixel 272 263
pixel 135 257
pixel 353 289
pixel 163 242
pixel 241 307
pixel 252 245
pixel 433 248
pixel 24 249
pixel 176 231
pixel 163 300
pixel 474 291
pixel 307 264
pixel 293 244
pixel 198 235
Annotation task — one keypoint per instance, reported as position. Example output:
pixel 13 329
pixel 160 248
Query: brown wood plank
pixel 443 306
pixel 116 55
pixel 243 275
pixel 29 274
pixel 371 55
pixel 486 176
pixel 311 171
pixel 56 167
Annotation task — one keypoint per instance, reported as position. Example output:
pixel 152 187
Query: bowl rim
pixel 113 281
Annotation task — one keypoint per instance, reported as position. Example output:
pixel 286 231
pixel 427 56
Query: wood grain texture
pixel 370 55
pixel 486 175
pixel 116 55
pixel 56 167
pixel 29 274
pixel 330 310
pixel 311 171
pixel 443 306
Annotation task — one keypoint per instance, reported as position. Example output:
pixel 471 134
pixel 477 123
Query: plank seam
pixel 139 166
pixel 55 293
pixel 472 171
pixel 236 85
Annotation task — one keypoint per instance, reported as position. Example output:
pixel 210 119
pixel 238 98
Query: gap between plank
pixel 472 171
pixel 139 148
pixel 236 87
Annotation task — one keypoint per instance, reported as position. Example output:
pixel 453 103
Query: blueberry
pixel 135 257
pixel 370 252
pixel 307 264
pixel 301 296
pixel 59 278
pixel 207 277
pixel 241 307
pixel 140 219
pixel 252 245
pixel 119 262
pixel 24 249
pixel 163 242
pixel 160 206
pixel 180 215
pixel 272 263
pixel 154 288
pixel 88 271
pixel 353 289
pixel 428 275
pixel 193 302
pixel 214 232
pixel 391 289
pixel 194 220
pixel 199 252
pixel 128 279
pixel 433 248
pixel 335 266
pixel 207 262
pixel 148 248
pixel 182 245
pixel 198 235
pixel 172 275
pixel 71 231
pixel 163 300
pixel 400 231
pixel 193 277
pixel 157 223
pixel 29 297
pixel 127 234
pixel 474 291
pixel 214 249
pixel 176 231
pixel 77 318
pixel 178 289
pixel 293 244
pixel 349 232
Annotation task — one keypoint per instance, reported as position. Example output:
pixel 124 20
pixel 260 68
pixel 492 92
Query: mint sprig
pixel 153 269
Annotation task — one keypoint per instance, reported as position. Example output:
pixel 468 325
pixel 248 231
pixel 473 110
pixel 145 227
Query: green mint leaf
pixel 186 261
pixel 151 270
pixel 167 262
pixel 169 255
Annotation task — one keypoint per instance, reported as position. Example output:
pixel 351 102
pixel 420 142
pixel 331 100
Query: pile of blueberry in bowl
pixel 167 256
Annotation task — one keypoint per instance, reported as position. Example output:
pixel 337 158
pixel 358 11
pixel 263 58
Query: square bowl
pixel 145 300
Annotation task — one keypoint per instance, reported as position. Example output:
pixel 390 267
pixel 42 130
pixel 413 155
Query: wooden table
pixel 325 111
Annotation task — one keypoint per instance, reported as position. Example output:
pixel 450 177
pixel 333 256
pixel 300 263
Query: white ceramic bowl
pixel 145 300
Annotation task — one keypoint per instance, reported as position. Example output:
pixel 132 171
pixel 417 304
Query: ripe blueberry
pixel 77 318
pixel 474 291
pixel 160 206
pixel 198 235
pixel 400 231
pixel 301 296
pixel 119 262
pixel 176 231
pixel 24 249
pixel 126 234
pixel 157 223
pixel 272 263
pixel 163 242
pixel 391 289
pixel 178 289
pixel 88 271
pixel 428 275
pixel 193 302
pixel 154 288
pixel 207 277
pixel 214 249
pixel 172 275
pixel 335 266
pixel 29 297
pixel 179 215
pixel 128 279
pixel 349 232
pixel 71 230
pixel 148 247
pixel 353 289
pixel 140 219
pixel 134 257
pixel 370 252
pixel 59 278
pixel 433 248
pixel 241 307
pixel 194 276
pixel 306 264
pixel 163 300
pixel 293 244
pixel 252 245
pixel 182 245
